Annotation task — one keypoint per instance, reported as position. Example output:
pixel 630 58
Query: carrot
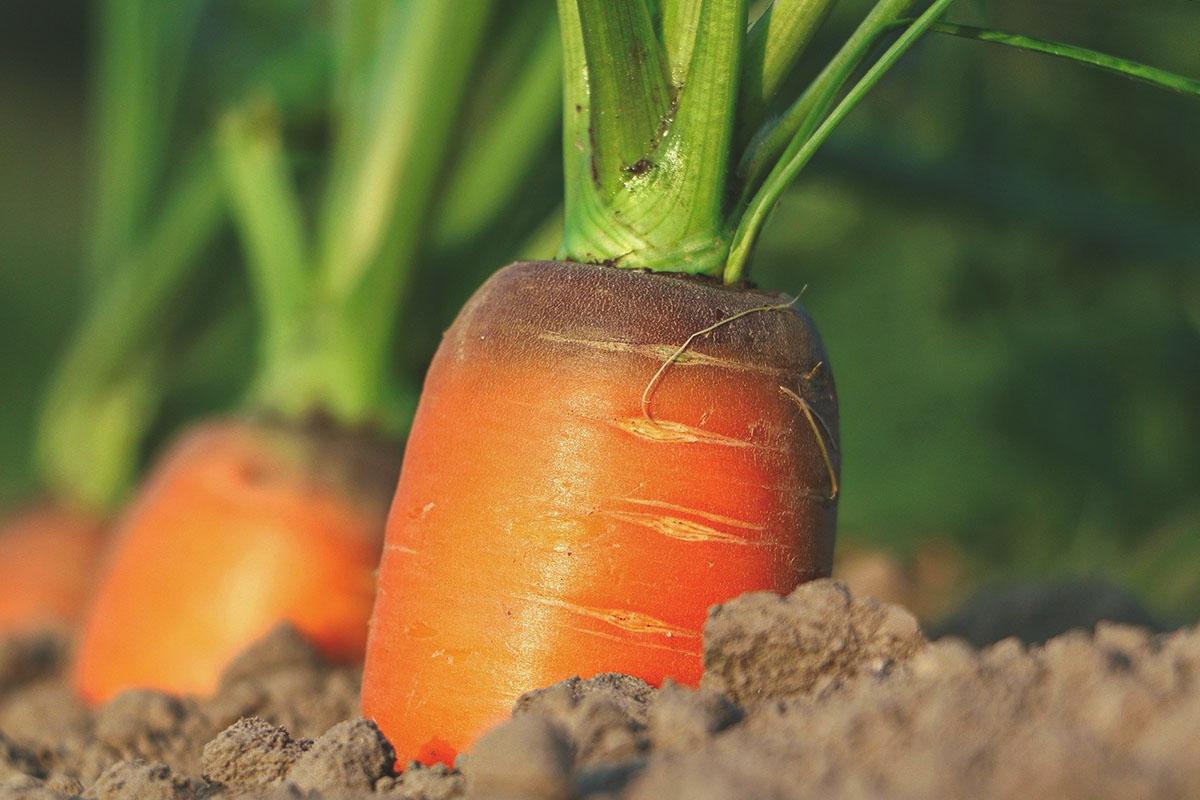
pixel 233 501
pixel 279 516
pixel 608 444
pixel 547 525
pixel 47 553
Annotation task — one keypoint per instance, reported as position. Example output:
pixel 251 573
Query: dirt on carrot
pixel 814 695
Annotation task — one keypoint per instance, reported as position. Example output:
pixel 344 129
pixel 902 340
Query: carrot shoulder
pixel 569 505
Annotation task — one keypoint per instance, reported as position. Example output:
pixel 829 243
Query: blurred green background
pixel 1002 250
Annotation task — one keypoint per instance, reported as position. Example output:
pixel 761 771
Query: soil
pixel 814 695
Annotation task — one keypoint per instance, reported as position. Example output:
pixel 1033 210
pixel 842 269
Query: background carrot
pixel 253 520
pixel 47 557
pixel 599 454
pixel 231 504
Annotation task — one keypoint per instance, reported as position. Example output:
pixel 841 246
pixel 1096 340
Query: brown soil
pixel 814 695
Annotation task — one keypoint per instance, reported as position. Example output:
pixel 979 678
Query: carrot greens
pixel 672 158
pixel 496 159
pixel 149 223
pixel 141 48
pixel 1080 55
pixel 157 208
pixel 329 288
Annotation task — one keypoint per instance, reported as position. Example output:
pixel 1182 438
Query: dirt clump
pixel 604 718
pixel 251 754
pixel 814 695
pixel 351 758
pixel 282 681
pixel 761 647
pixel 529 758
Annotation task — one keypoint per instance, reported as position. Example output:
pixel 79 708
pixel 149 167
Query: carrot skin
pixel 242 526
pixel 48 555
pixel 545 526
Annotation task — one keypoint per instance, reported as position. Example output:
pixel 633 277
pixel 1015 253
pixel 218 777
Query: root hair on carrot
pixel 656 379
pixel 812 418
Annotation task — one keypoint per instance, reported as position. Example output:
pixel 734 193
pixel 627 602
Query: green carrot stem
pixel 700 137
pixel 356 25
pixel 140 51
pixel 331 358
pixel 804 114
pixel 576 108
pixel 268 216
pixel 1124 67
pixel 803 147
pixel 437 78
pixel 123 116
pixel 663 210
pixel 680 22
pixel 629 86
pixel 97 404
pixel 775 43
pixel 416 85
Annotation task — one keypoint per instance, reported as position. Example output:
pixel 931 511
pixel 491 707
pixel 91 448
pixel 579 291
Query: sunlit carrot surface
pixel 242 526
pixel 48 562
pixel 549 524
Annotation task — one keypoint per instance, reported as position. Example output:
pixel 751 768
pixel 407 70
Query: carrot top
pixel 407 170
pixel 156 208
pixel 674 151
pixel 151 218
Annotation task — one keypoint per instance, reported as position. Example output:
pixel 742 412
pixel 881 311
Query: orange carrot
pixel 48 556
pixel 579 488
pixel 243 525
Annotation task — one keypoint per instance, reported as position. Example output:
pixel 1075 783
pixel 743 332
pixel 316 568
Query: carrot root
pixel 547 525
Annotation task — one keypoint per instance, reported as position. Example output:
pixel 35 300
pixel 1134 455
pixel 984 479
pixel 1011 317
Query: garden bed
pixel 816 695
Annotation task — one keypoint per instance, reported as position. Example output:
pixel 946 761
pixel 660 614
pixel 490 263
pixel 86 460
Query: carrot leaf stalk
pixel 497 158
pixel 141 49
pixel 1137 71
pixel 673 159
pixel 803 115
pixel 265 202
pixel 804 146
pixel 105 389
pixel 773 46
pixel 328 299
pixel 647 156
pixel 103 392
